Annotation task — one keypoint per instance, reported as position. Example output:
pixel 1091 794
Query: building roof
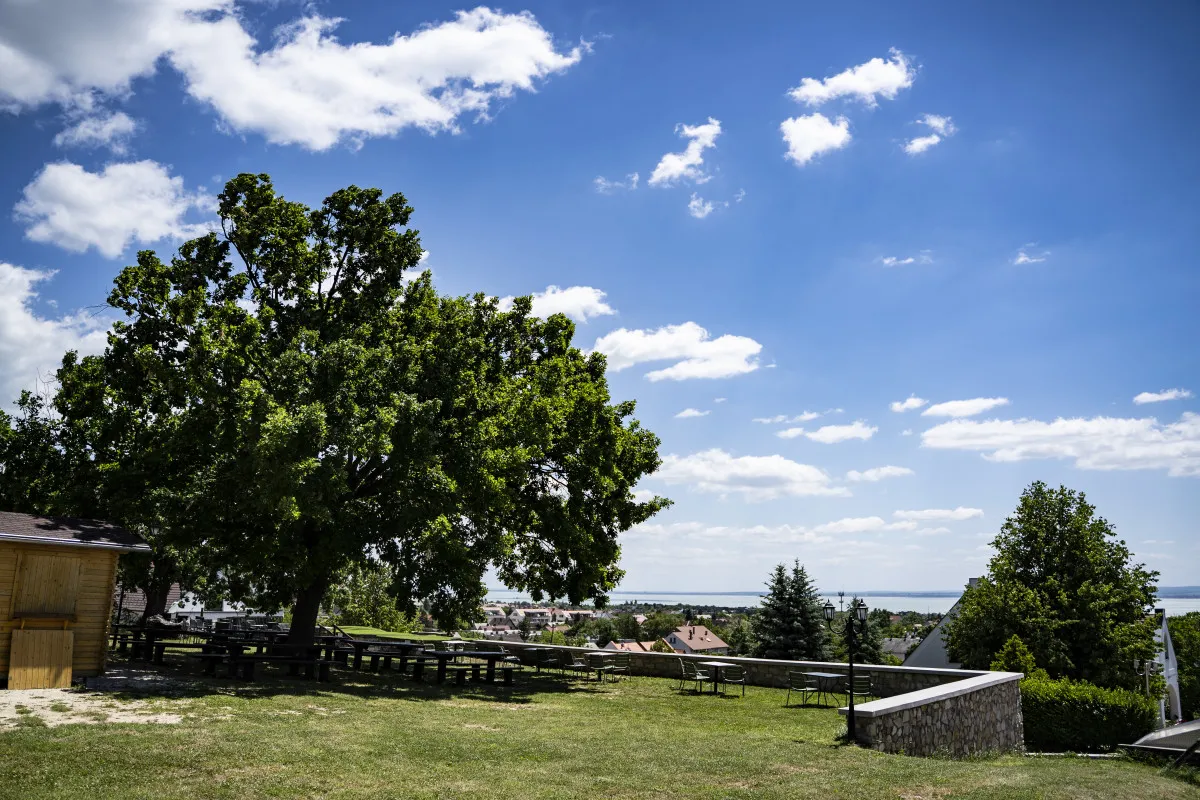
pixel 931 652
pixel 698 637
pixel 67 531
pixel 631 647
pixel 896 646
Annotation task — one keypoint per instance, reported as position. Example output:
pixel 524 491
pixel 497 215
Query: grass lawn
pixel 363 630
pixel 368 736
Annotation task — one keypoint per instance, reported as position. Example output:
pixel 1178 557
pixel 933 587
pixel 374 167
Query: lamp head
pixel 828 611
pixel 860 611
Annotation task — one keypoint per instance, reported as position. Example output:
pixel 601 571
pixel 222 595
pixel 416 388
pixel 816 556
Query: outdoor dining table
pixel 380 648
pixel 824 678
pixel 716 666
pixel 599 662
pixel 445 656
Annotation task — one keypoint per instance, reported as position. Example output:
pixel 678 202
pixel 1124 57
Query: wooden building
pixel 56 587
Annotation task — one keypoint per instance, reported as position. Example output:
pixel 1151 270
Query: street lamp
pixel 857 611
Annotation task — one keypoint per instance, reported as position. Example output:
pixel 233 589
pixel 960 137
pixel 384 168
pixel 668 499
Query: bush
pixel 1066 715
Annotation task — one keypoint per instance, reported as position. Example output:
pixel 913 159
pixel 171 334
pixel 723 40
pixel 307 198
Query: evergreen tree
pixel 788 624
pixel 811 634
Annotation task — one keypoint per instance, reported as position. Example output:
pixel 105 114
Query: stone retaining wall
pixel 923 712
pixel 886 681
pixel 979 715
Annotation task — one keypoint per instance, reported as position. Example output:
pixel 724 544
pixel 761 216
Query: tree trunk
pixel 156 591
pixel 304 612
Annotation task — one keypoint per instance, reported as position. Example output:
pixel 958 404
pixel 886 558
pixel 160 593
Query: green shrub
pixel 1065 715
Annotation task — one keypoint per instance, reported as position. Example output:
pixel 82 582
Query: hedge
pixel 1075 716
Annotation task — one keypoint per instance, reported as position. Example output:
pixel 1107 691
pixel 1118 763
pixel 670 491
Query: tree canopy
pixel 1066 586
pixel 294 400
pixel 789 624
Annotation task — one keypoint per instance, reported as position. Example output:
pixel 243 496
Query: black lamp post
pixel 857 611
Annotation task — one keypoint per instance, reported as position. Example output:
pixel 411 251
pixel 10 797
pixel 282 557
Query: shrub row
pixel 1075 716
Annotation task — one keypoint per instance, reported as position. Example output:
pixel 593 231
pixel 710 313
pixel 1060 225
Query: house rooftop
pixel 699 637
pixel 68 531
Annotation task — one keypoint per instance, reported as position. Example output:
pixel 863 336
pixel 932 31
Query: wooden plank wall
pixel 41 659
pixel 97 569
pixel 47 583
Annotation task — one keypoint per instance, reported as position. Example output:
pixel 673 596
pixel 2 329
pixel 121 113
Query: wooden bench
pixel 507 670
pixel 160 648
pixel 460 673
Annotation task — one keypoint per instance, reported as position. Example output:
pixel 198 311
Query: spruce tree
pixel 771 625
pixel 810 635
pixel 788 624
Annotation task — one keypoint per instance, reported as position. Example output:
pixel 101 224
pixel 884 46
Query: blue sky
pixel 836 209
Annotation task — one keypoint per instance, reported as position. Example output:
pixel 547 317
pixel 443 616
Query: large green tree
pixel 1064 583
pixel 66 454
pixel 1185 636
pixel 789 623
pixel 313 406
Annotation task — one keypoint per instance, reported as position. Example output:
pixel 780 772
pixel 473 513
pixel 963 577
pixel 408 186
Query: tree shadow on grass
pixel 179 678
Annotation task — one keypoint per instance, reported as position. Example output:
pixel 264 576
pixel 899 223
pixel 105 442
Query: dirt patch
pixel 54 707
pixel 97 701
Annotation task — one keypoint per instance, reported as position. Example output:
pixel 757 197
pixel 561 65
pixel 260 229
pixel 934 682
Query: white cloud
pixel 580 303
pixel 876 78
pixel 964 408
pixel 1025 257
pixel 863 525
pixel 906 432
pixel 753 477
pixel 719 399
pixel 740 196
pixel 809 136
pixel 942 128
pixel 688 413
pixel 105 130
pixel 674 167
pixel 806 416
pixel 604 186
pixel 831 434
pixel 742 535
pixel 1159 397
pixel 949 514
pixel 790 433
pixel 642 495
pixel 32 345
pixel 698 207
pixel 921 144
pixel 132 202
pixel 878 473
pixel 307 88
pixel 940 125
pixel 913 402
pixel 1099 443
pixel 698 355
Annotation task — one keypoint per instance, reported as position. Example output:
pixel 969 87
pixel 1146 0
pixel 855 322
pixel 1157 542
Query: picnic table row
pixel 241 651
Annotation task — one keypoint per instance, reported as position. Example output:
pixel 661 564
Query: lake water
pixel 929 602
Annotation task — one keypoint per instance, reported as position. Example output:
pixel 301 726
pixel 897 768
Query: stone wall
pixel 886 681
pixel 980 715
pixel 922 712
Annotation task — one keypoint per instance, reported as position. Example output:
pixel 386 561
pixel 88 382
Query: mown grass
pixel 384 736
pixel 363 630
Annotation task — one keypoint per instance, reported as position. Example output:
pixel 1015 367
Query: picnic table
pixel 444 657
pixel 824 679
pixel 241 662
pixel 716 667
pixel 382 650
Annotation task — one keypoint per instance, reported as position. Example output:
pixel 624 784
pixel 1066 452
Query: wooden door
pixel 40 659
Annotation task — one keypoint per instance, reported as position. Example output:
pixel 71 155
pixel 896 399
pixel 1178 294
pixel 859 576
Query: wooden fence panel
pixel 41 659
pixel 47 585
